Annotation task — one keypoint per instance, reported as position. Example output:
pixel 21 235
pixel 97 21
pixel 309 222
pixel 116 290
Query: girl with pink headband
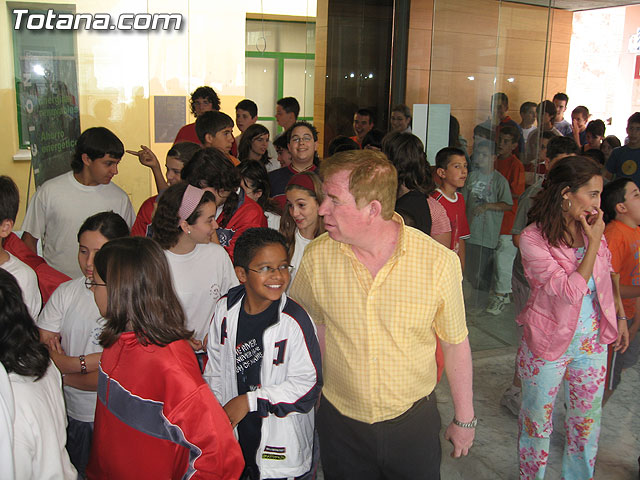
pixel 300 221
pixel 184 225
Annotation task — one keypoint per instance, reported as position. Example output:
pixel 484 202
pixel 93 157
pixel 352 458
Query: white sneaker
pixel 497 304
pixel 512 400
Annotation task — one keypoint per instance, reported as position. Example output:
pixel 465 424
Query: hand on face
pixel 593 225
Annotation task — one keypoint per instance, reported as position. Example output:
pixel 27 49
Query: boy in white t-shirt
pixel 26 277
pixel 59 207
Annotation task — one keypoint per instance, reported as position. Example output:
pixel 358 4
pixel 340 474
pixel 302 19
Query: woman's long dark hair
pixel 569 172
pixel 406 152
pixel 212 168
pixel 256 178
pixel 244 148
pixel 20 349
pixel 140 293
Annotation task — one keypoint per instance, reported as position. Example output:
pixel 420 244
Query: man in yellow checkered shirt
pixel 380 292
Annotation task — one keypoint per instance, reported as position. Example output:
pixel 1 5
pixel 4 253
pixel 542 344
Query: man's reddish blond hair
pixel 372 177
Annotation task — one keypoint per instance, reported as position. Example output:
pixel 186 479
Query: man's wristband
pixel 83 365
pixel 471 424
pixel 622 318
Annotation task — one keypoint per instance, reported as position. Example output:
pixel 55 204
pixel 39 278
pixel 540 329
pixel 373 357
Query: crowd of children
pixel 169 342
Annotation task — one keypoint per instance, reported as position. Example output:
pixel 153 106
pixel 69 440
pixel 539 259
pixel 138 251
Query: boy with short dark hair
pixel 560 100
pixel 302 143
pixel 546 112
pixel 26 277
pixel 215 130
pixel 58 208
pixel 287 111
pixel 621 207
pixel 246 114
pixel 528 116
pixel 625 161
pixel 512 169
pixel 203 99
pixel 264 361
pixel 487 197
pixel 560 147
pixel 363 123
pixel 594 134
pixel 579 119
pixel 452 169
pixel 499 118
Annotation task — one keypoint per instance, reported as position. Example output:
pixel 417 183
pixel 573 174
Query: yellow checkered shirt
pixel 381 333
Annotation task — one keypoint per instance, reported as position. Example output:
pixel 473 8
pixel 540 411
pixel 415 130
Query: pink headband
pixel 190 200
pixel 302 180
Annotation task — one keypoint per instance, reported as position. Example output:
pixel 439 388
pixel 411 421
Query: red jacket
pixel 157 418
pixel 48 277
pixel 248 214
pixel 143 219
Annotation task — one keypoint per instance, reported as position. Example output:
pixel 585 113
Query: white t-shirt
pixel 72 311
pixel 200 278
pixel 60 207
pixel 7 414
pixel 28 281
pixel 527 131
pixel 40 428
pixel 273 220
pixel 301 244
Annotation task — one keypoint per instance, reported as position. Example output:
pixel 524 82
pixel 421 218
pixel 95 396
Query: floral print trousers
pixel 582 368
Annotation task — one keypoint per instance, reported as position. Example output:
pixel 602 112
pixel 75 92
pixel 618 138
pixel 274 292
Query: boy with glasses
pixel 302 140
pixel 264 363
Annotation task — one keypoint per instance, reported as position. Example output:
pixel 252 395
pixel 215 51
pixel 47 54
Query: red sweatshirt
pixel 157 418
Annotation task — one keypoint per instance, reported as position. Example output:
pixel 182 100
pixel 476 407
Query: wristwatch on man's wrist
pixel 471 424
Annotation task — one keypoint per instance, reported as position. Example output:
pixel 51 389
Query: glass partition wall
pixel 486 59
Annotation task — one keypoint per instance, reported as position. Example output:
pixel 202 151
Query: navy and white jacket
pixel 291 380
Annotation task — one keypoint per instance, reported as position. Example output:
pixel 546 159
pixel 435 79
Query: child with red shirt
pixel 512 169
pixel 621 206
pixel 451 169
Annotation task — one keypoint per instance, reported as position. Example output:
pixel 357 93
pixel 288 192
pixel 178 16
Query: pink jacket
pixel 551 314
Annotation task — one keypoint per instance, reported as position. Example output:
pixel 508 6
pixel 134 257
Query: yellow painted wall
pixel 119 73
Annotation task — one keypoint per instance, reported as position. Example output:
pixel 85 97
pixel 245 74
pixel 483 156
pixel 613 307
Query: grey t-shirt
pixel 564 127
pixel 479 189
pixel 524 205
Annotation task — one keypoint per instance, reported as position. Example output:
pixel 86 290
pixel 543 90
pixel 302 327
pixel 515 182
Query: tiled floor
pixel 494 453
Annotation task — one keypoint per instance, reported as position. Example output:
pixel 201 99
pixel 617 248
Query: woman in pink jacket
pixel 569 319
